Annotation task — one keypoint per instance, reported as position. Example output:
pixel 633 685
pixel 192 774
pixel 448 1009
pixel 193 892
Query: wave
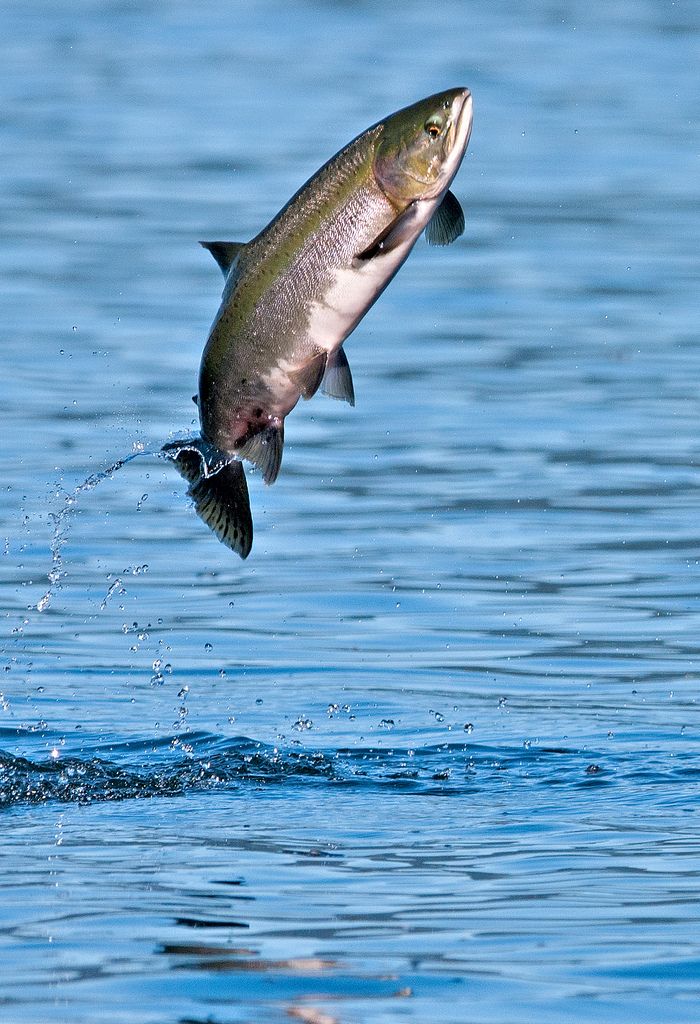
pixel 125 769
pixel 175 765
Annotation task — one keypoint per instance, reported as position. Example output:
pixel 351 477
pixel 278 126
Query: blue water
pixel 433 752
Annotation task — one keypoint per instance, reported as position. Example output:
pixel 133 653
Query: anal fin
pixel 337 380
pixel 264 450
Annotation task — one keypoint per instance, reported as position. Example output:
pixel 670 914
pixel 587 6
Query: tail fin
pixel 218 489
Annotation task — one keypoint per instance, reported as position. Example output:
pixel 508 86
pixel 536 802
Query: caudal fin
pixel 218 489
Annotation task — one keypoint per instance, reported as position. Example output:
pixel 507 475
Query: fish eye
pixel 433 127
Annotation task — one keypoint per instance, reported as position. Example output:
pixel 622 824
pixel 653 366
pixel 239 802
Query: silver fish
pixel 295 292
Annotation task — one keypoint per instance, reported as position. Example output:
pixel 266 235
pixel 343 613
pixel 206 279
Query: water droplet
pixel 157 679
pixel 208 648
pixel 469 728
pixel 302 723
pixel 115 585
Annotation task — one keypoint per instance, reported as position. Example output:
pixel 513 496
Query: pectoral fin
pixel 225 253
pixel 402 229
pixel 447 223
pixel 337 380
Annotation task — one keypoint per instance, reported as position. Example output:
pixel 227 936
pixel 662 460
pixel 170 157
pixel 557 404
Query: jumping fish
pixel 294 293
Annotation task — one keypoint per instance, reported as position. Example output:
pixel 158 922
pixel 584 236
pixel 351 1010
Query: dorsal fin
pixel 308 378
pixel 337 380
pixel 447 223
pixel 225 253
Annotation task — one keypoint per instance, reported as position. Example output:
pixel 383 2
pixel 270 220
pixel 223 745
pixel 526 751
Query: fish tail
pixel 218 489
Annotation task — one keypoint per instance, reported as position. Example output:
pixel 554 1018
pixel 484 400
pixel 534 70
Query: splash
pixel 61 519
pixel 178 764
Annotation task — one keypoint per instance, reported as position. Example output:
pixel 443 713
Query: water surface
pixel 431 753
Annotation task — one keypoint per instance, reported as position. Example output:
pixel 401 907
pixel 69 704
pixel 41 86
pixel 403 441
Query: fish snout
pixel 461 116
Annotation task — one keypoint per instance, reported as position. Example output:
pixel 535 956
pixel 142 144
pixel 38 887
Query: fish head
pixel 420 148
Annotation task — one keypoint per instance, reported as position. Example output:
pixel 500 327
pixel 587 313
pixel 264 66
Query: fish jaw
pixel 458 140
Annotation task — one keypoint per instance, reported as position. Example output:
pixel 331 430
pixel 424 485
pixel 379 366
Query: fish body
pixel 294 293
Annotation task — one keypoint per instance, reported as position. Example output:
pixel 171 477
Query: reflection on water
pixel 432 752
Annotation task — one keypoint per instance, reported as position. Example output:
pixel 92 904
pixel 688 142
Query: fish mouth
pixel 458 136
pixel 456 142
pixel 461 127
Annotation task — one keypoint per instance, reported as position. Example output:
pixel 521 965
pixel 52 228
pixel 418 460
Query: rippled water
pixel 432 752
